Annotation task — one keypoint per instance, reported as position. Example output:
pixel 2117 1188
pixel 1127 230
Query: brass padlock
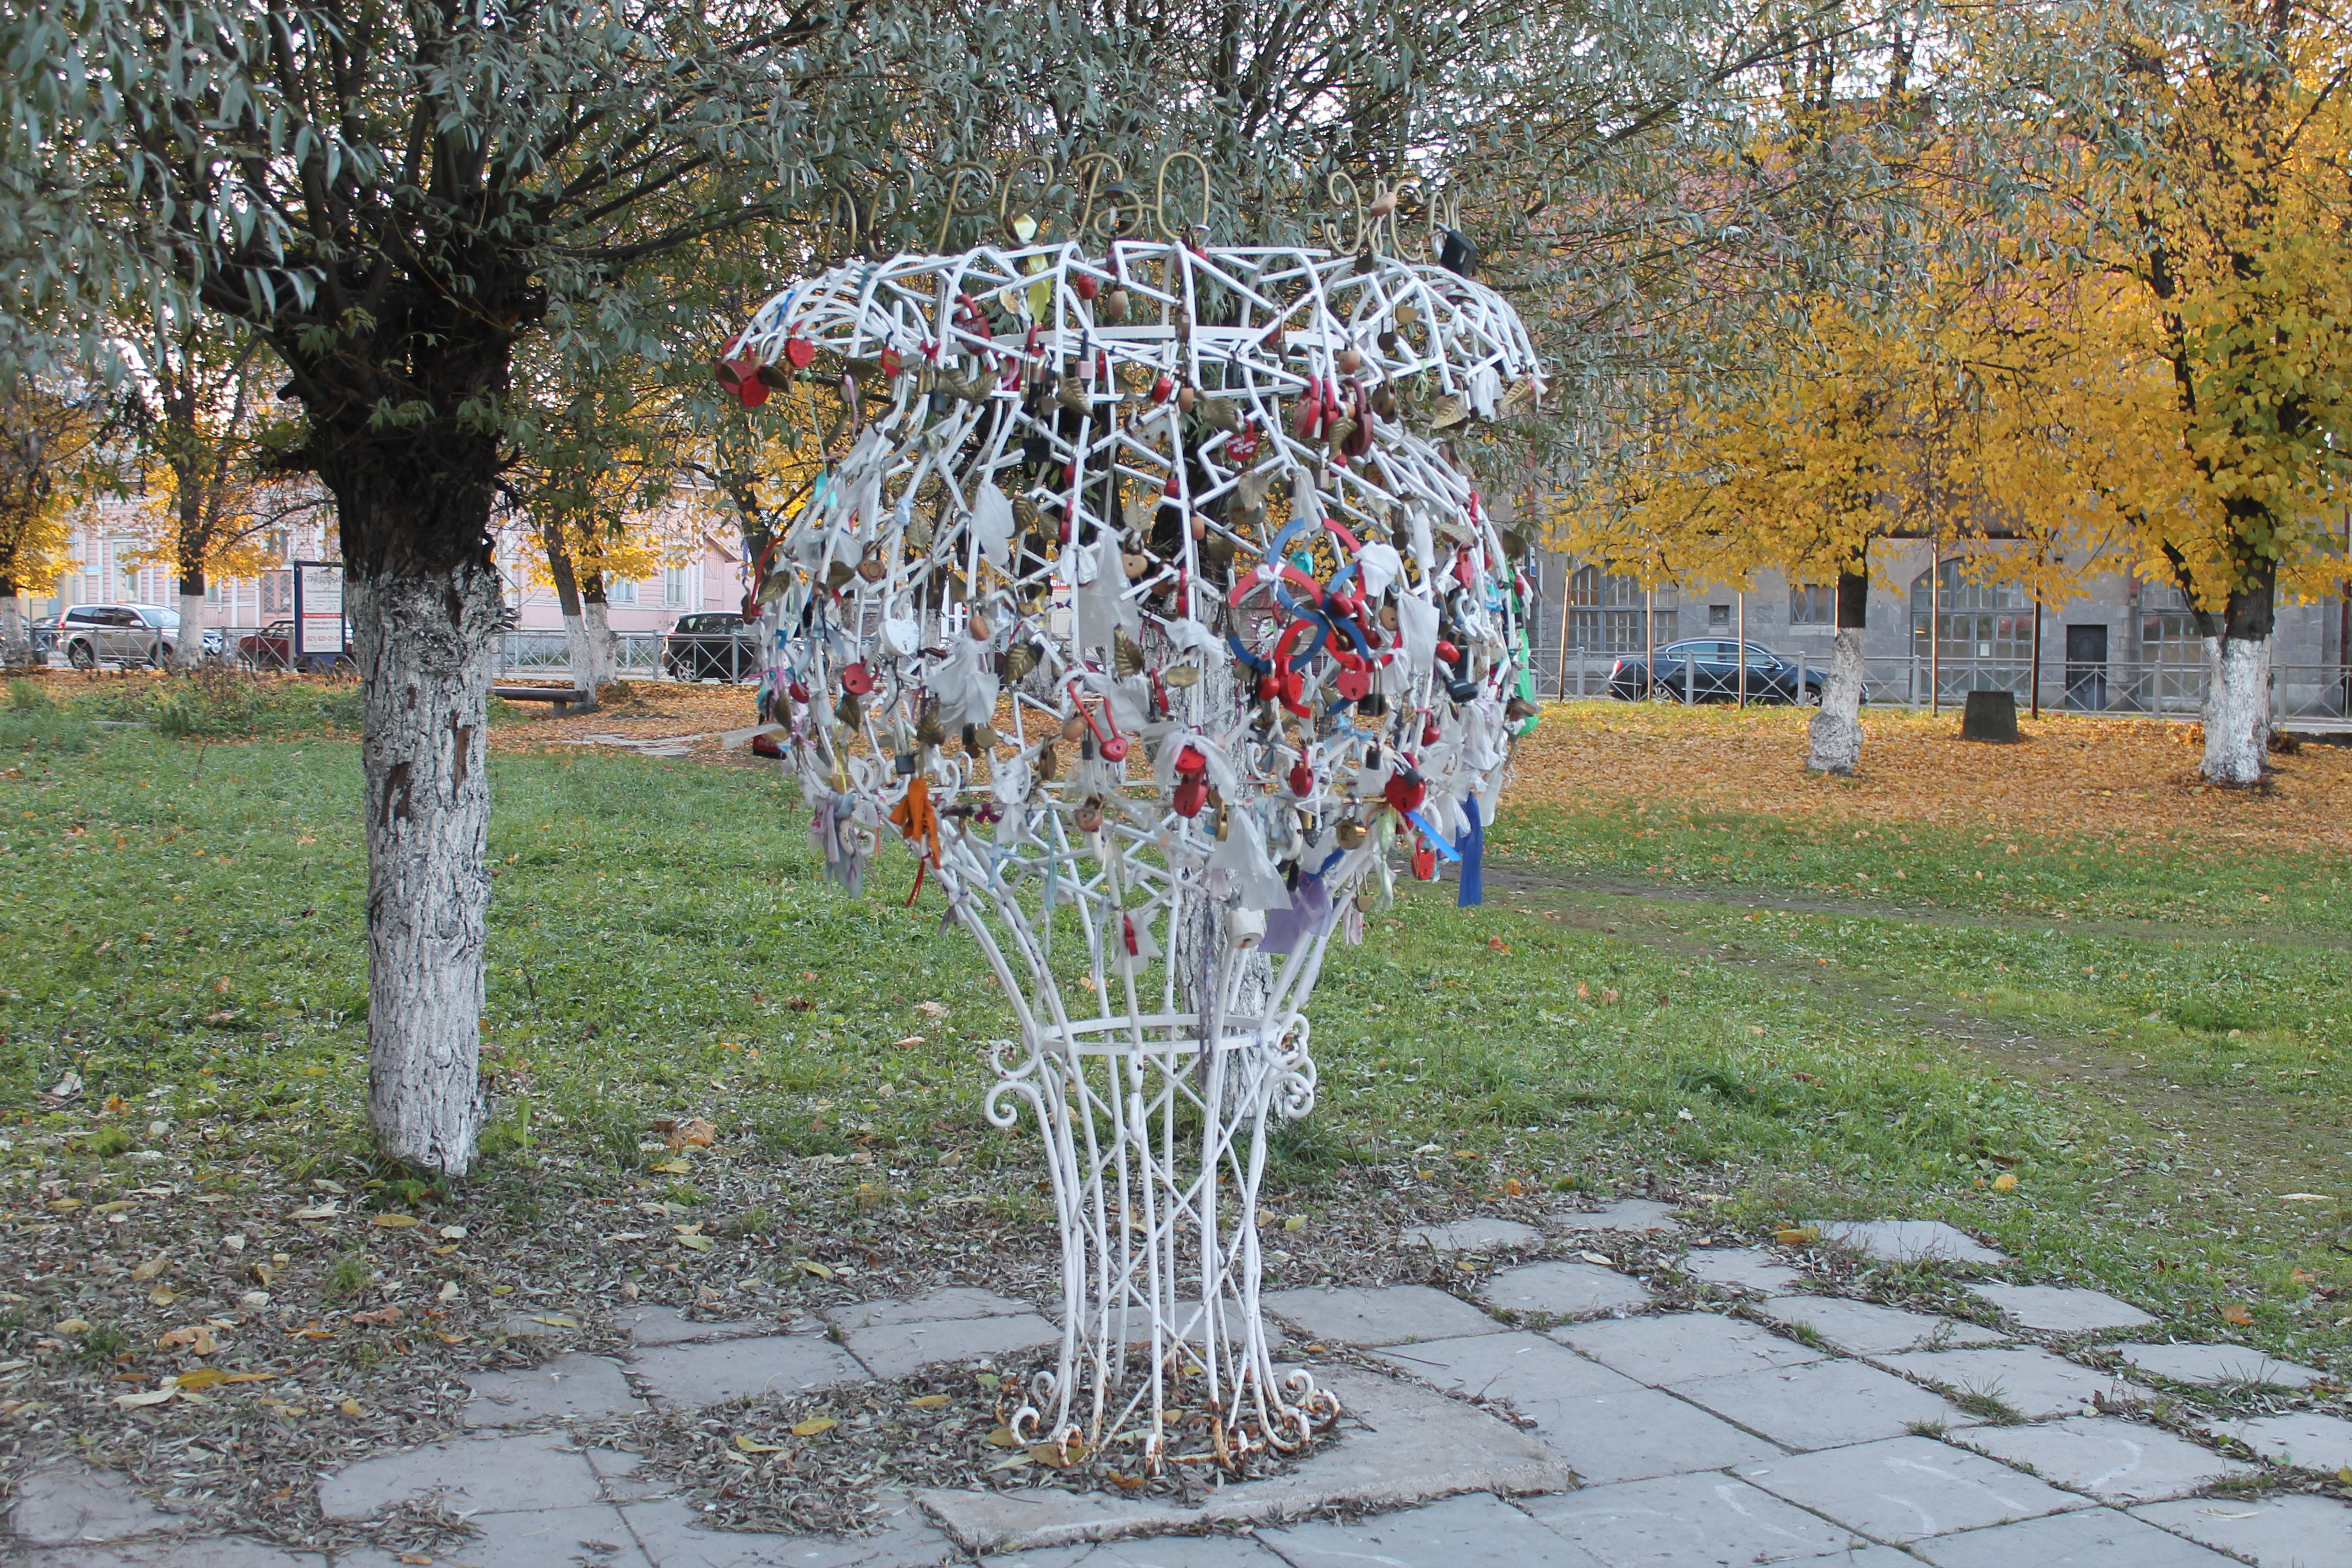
pixel 1090 815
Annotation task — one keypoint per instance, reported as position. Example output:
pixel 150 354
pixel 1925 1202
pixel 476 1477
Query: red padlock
pixel 800 352
pixel 1429 733
pixel 891 364
pixel 1425 863
pixel 1302 779
pixel 1405 791
pixel 1085 285
pixel 798 692
pixel 857 681
pixel 1449 653
pixel 1163 389
pixel 1191 795
pixel 1354 684
pixel 1113 747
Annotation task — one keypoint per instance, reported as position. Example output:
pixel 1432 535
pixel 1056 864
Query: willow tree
pixel 394 197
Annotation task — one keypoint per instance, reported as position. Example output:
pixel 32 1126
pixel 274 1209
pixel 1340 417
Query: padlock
pixel 1354 684
pixel 1351 833
pixel 1302 779
pixel 1372 705
pixel 857 680
pixel 1191 795
pixel 1090 815
pixel 1113 747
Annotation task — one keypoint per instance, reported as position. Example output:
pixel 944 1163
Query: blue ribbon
pixel 1473 853
pixel 1436 839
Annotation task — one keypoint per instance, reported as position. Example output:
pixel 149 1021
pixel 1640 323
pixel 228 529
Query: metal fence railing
pixel 2298 691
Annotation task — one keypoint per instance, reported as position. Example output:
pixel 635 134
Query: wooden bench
pixel 567 699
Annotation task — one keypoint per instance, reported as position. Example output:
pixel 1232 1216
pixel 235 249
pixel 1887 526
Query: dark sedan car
pixel 720 646
pixel 1706 669
pixel 272 647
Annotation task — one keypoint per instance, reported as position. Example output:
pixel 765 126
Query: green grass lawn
pixel 1779 1039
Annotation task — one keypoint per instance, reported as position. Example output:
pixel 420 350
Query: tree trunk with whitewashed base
pixel 2237 709
pixel 2238 679
pixel 189 651
pixel 576 648
pixel 424 645
pixel 1835 734
pixel 599 637
pixel 15 643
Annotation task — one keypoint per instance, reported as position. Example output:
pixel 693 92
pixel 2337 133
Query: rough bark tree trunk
pixel 423 642
pixel 576 648
pixel 2238 680
pixel 1835 735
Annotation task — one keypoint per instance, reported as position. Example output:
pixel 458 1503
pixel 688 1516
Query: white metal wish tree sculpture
pixel 1144 600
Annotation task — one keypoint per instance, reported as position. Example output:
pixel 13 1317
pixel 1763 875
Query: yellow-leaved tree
pixel 2221 202
pixel 56 450
pixel 212 490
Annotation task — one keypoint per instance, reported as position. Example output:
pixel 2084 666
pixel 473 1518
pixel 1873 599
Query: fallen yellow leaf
pixel 1798 1236
pixel 928 1402
pixel 670 1167
pixel 2237 1312
pixel 1002 1437
pixel 748 1446
pixel 814 1425
pixel 2005 1182
pixel 392 1221
pixel 349 1407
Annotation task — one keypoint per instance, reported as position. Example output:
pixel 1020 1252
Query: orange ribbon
pixel 918 823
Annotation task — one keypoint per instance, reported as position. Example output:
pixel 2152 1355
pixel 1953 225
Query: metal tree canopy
pixel 1148 605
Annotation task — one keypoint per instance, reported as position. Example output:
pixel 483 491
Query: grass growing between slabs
pixel 1779 1040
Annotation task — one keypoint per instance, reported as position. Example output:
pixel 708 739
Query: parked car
pixel 272 647
pixel 720 646
pixel 92 634
pixel 1706 669
pixel 42 634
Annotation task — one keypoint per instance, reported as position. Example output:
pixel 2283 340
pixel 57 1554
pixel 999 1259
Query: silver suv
pixel 92 634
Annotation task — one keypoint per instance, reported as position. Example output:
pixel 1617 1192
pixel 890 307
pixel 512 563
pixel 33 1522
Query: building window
pixel 1719 615
pixel 278 592
pixel 1605 613
pixel 1812 604
pixel 1984 632
pixel 673 587
pixel 620 591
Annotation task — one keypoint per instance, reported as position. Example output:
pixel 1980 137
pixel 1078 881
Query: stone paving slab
pixel 668 1326
pixel 541 1538
pixel 1908 1240
pixel 1631 1214
pixel 1821 1404
pixel 2217 1363
pixel 1166 1552
pixel 1478 1532
pixel 2058 1310
pixel 2093 1538
pixel 2031 1380
pixel 2294 1532
pixel 1401 1445
pixel 1562 1290
pixel 673 1537
pixel 1748 1268
pixel 622 1474
pixel 736 1368
pixel 894 1350
pixel 66 1504
pixel 2302 1438
pixel 1606 1426
pixel 1470 1235
pixel 1679 1346
pixel 1389 1315
pixel 223 1551
pixel 1865 1327
pixel 478 1475
pixel 567 1388
pixel 952 1302
pixel 1687 1521
pixel 2115 1460
pixel 1905 1488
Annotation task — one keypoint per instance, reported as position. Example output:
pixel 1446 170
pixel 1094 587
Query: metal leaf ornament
pixel 1230 637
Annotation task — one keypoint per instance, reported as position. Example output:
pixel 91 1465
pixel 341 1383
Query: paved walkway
pixel 1831 1431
